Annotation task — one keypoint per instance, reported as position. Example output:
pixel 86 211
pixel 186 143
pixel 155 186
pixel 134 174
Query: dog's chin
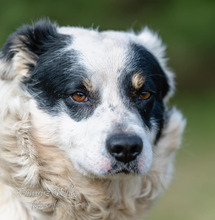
pixel 121 173
pixel 113 174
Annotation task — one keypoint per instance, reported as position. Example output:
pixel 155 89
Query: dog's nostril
pixel 134 150
pixel 124 148
pixel 118 149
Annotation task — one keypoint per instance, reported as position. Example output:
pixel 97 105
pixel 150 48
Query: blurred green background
pixel 188 28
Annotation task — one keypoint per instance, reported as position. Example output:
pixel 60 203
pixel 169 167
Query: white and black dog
pixel 84 129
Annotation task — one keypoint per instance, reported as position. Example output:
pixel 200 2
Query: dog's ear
pixel 25 46
pixel 154 44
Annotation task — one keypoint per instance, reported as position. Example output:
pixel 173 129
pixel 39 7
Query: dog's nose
pixel 124 148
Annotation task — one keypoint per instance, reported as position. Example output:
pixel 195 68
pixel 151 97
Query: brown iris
pixel 79 97
pixel 145 95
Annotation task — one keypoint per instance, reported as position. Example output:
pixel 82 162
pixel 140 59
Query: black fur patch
pixel 56 77
pixel 57 72
pixel 34 40
pixel 142 61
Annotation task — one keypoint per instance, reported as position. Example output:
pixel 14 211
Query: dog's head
pixel 97 96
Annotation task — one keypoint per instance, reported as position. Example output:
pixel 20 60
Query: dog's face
pixel 98 96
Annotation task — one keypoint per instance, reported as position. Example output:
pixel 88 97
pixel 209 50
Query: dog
pixel 85 131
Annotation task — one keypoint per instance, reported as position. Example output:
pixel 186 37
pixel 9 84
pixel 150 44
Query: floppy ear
pixel 23 48
pixel 154 44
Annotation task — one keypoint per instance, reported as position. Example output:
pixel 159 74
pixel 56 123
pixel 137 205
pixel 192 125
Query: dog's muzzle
pixel 124 148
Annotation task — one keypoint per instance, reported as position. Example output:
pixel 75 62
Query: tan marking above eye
pixel 79 97
pixel 138 80
pixel 88 84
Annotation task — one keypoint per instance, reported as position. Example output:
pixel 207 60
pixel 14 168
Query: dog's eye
pixel 145 95
pixel 79 97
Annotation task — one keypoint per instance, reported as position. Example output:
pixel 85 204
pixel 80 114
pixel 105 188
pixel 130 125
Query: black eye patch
pixel 56 76
pixel 142 61
pixel 143 86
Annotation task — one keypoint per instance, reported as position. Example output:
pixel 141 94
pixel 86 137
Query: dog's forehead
pixel 103 53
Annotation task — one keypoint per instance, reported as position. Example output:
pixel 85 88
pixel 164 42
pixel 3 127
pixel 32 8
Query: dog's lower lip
pixel 125 171
pixel 120 171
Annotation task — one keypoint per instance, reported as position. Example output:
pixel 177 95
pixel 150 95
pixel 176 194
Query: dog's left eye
pixel 145 95
pixel 79 97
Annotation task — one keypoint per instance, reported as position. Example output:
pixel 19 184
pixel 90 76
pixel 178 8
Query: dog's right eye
pixel 79 97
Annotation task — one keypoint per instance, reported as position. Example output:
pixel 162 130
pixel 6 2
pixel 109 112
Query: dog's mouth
pixel 122 171
pixel 127 169
pixel 117 168
pixel 108 167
